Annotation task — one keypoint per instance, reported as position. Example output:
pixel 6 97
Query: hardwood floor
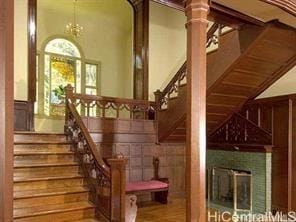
pixel 174 211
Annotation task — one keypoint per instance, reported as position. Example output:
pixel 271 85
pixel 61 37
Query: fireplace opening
pixel 230 188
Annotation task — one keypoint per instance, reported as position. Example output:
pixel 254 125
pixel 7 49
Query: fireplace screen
pixel 230 188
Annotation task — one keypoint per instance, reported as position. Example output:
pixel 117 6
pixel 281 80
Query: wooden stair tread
pixel 31 153
pixel 51 209
pixel 39 133
pixel 48 192
pixel 26 164
pixel 42 142
pixel 25 179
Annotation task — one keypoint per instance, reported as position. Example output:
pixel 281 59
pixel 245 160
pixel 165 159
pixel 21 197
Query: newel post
pixel 196 12
pixel 69 95
pixel 117 190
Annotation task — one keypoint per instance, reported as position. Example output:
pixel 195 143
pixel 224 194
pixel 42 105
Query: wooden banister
pixel 179 78
pixel 107 180
pixel 136 109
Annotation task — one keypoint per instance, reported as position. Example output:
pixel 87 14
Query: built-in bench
pixel 158 186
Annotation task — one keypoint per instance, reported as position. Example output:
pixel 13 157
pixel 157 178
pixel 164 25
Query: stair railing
pixel 172 89
pixel 105 179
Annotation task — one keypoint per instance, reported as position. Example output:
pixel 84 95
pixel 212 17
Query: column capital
pixel 197 11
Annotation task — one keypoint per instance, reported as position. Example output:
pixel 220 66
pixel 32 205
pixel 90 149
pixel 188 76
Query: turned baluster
pixel 69 95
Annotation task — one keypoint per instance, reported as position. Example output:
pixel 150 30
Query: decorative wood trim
pixel 32 49
pixel 6 109
pixel 239 130
pixel 286 5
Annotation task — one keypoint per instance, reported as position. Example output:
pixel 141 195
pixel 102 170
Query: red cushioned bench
pixel 159 188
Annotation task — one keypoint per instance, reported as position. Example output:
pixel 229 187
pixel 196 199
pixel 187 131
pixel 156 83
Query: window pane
pixel 62 47
pixel 62 74
pixel 37 92
pixel 91 75
pixel 90 91
pixel 46 84
pixel 78 76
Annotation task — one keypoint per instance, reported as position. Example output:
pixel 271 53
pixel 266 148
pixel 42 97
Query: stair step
pixel 48 170
pixel 45 182
pixel 30 164
pixel 45 177
pixel 48 192
pixel 39 138
pixel 31 198
pixel 55 212
pixel 45 158
pixel 37 153
pixel 62 147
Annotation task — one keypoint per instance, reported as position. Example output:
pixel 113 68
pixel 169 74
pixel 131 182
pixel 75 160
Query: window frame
pixel 41 74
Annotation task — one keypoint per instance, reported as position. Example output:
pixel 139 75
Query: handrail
pixel 137 109
pixel 179 79
pixel 107 180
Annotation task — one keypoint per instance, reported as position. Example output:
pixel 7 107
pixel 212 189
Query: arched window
pixel 62 47
pixel 62 63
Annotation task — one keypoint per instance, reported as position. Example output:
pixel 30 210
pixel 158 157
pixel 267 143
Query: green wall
pixel 260 166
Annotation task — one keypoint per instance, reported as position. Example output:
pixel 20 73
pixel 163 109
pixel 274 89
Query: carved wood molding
pixel 286 5
pixel 239 130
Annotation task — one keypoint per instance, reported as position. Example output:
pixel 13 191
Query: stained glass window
pixel 63 65
pixel 62 47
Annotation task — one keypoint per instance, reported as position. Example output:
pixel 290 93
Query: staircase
pixel 246 63
pixel 48 185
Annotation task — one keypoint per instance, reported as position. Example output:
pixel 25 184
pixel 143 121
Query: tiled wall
pixel 140 162
pixel 260 166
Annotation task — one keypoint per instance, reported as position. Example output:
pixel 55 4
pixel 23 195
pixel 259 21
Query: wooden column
pixel 6 109
pixel 292 155
pixel 141 44
pixel 32 41
pixel 196 12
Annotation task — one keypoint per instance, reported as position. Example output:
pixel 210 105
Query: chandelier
pixel 73 28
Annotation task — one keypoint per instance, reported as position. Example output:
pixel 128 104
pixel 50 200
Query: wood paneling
pixel 23 116
pixel 6 109
pixel 287 5
pixel 277 115
pixel 105 125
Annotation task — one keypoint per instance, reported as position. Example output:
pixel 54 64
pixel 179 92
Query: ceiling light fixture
pixel 73 28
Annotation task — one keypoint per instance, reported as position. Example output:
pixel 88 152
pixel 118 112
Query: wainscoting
pixel 140 162
pixel 23 116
